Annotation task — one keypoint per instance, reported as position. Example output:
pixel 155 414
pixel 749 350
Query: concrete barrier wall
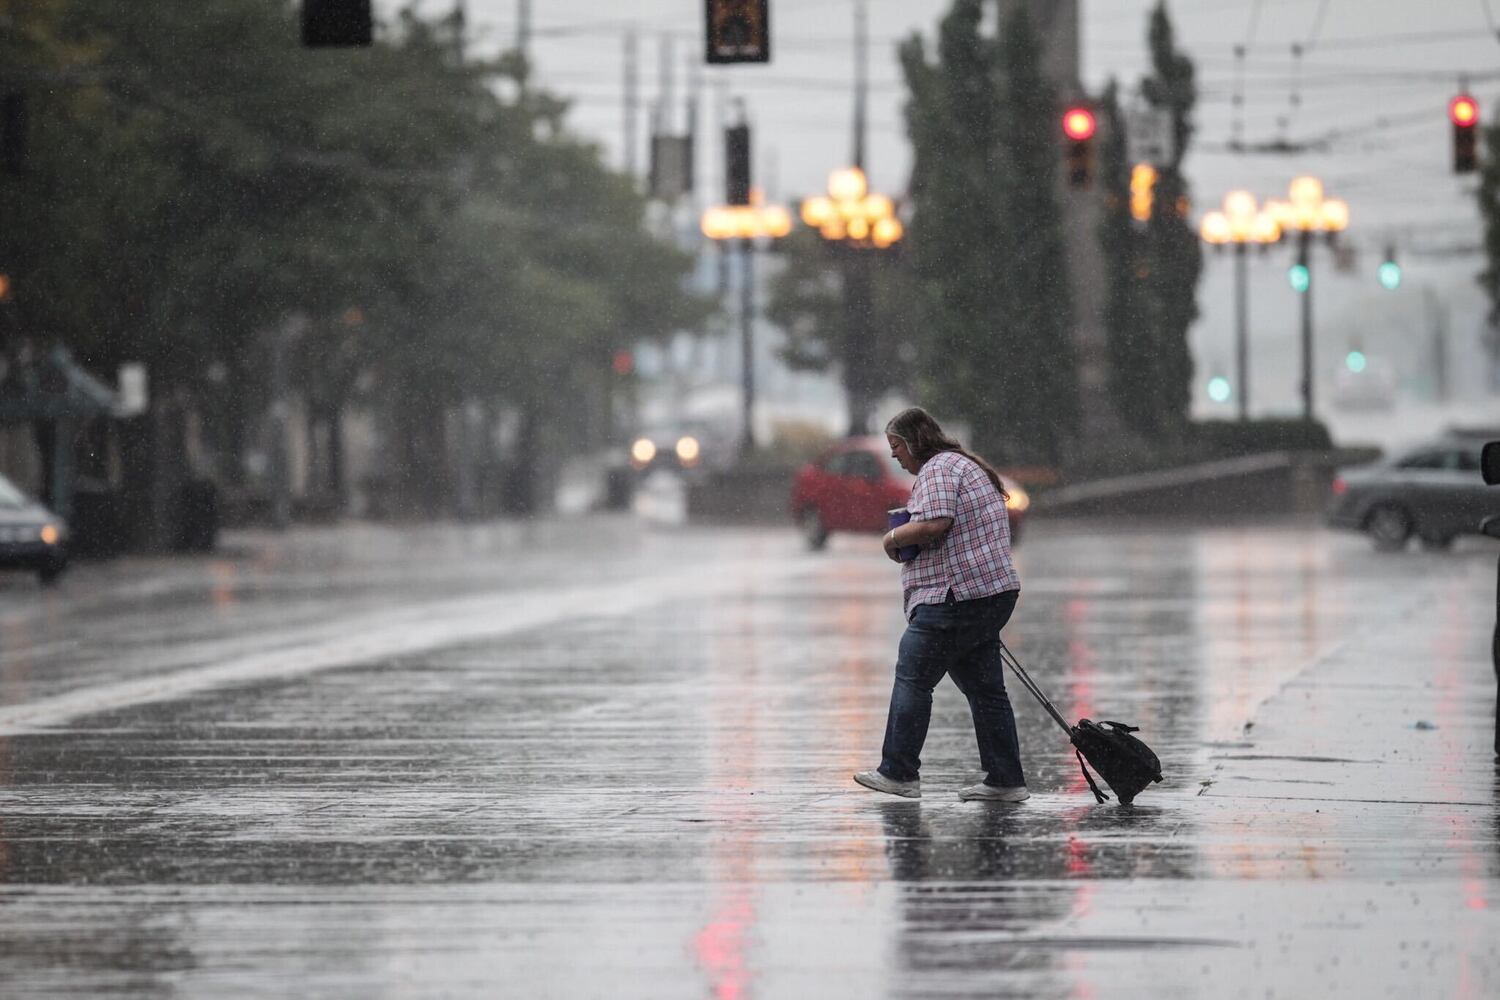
pixel 1251 487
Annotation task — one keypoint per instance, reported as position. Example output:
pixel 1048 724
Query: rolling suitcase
pixel 1125 763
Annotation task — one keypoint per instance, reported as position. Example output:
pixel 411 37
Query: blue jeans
pixel 962 639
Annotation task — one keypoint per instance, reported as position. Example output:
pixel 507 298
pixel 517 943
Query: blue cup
pixel 895 517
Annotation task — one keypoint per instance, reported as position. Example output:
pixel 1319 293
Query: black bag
pixel 1125 763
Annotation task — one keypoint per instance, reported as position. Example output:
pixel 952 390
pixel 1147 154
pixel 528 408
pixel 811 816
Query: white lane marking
pixel 398 632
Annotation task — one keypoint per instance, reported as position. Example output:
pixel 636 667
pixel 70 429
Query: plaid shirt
pixel 973 559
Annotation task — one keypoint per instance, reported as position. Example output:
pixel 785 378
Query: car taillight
pixel 1339 486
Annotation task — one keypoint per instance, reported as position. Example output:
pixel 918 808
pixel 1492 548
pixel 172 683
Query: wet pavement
pixel 592 758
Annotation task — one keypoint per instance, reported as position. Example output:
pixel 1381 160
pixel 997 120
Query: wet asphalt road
pixel 595 759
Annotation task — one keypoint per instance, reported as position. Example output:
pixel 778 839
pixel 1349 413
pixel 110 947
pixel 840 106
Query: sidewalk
pixel 1349 843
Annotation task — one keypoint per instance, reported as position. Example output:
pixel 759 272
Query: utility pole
pixel 861 77
pixel 1304 244
pixel 632 101
pixel 859 328
pixel 523 30
pixel 1242 328
pixel 1437 326
pixel 665 82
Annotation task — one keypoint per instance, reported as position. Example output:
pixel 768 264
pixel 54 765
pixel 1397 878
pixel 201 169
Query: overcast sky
pixel 1377 72
pixel 1373 84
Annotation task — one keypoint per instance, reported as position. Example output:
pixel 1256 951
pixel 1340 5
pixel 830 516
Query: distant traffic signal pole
pixel 1241 223
pixel 745 218
pixel 1307 212
pixel 1463 112
pixel 1078 127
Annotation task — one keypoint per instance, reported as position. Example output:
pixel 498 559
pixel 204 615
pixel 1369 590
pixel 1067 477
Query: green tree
pixel 810 300
pixel 1042 368
pixel 986 236
pixel 186 198
pixel 1489 210
pixel 1173 254
pixel 1131 347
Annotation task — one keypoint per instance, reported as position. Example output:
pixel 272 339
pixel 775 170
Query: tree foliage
pixel 986 236
pixel 1130 345
pixel 1151 273
pixel 1489 210
pixel 810 300
pixel 1173 255
pixel 196 178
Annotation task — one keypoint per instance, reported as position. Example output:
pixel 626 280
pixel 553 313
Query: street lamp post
pixel 1307 212
pixel 745 224
pixel 1241 224
pixel 853 222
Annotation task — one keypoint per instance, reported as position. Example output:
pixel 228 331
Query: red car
pixel 852 485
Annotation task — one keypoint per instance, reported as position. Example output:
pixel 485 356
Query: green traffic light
pixel 1355 361
pixel 1299 277
pixel 1390 275
pixel 1218 389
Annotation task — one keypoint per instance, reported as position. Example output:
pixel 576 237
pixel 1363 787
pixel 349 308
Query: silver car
pixel 31 536
pixel 1434 492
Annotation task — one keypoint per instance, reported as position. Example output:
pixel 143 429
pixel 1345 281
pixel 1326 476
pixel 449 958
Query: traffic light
pixel 1219 389
pixel 737 165
pixel 1463 111
pixel 1355 360
pixel 738 31
pixel 1389 272
pixel 1078 153
pixel 13 132
pixel 335 23
pixel 1299 277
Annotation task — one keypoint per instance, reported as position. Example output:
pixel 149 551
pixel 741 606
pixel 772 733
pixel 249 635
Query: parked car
pixel 1434 492
pixel 31 537
pixel 852 485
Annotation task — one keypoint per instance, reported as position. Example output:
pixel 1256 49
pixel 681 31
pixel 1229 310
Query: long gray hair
pixel 925 438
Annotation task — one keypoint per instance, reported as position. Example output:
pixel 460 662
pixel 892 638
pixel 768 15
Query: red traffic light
pixel 1078 124
pixel 1463 110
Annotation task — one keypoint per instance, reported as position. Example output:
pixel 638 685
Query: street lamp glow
pixel 849 213
pixel 1215 228
pixel 1335 215
pixel 848 184
pixel 818 212
pixel 745 222
pixel 1241 221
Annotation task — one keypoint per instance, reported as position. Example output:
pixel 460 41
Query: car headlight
pixel 687 450
pixel 642 452
pixel 1019 499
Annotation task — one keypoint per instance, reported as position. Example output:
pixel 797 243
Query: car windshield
pixel 10 497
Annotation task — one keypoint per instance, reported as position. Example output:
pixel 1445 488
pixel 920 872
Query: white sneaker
pixel 989 793
pixel 874 779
